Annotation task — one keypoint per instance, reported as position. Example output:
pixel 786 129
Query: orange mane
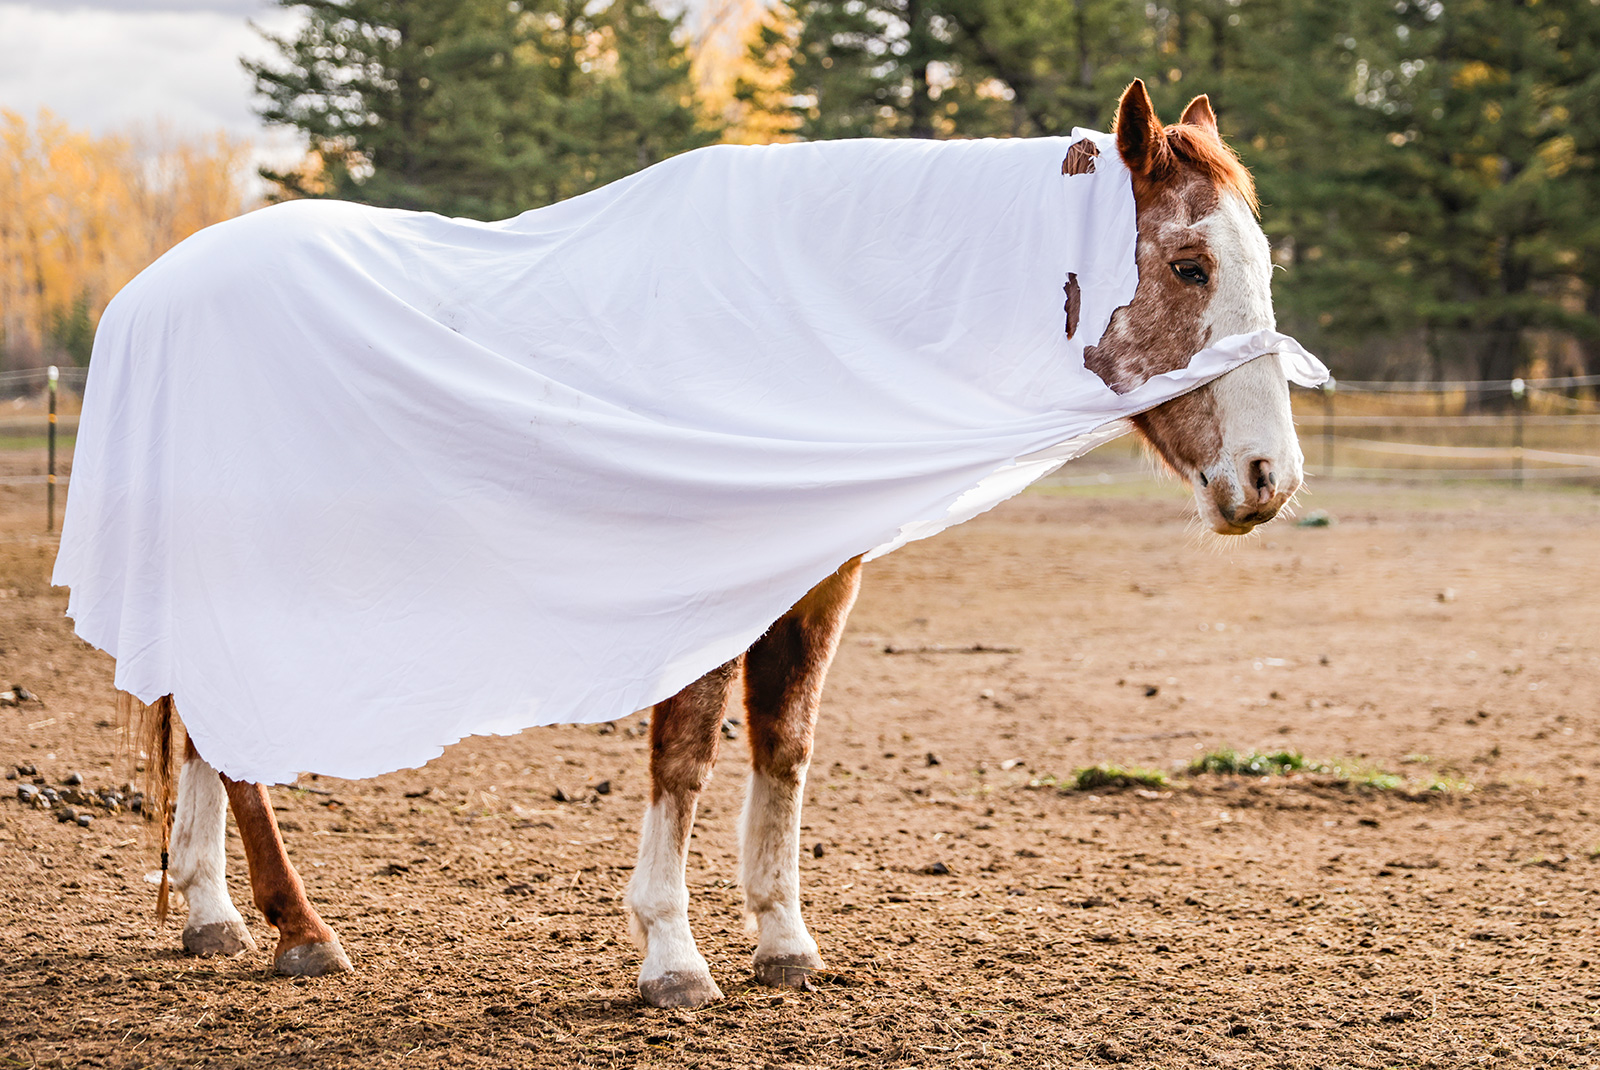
pixel 1205 151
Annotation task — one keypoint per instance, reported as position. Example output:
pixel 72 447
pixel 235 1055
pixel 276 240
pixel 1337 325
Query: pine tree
pixel 72 329
pixel 387 93
pixel 477 107
pixel 1474 196
pixel 950 68
pixel 624 92
pixel 1056 64
pixel 847 68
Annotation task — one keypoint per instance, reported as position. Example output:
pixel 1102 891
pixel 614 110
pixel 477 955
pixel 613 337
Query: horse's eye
pixel 1190 271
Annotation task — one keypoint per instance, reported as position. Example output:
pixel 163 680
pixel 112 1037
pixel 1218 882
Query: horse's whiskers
pixel 1158 468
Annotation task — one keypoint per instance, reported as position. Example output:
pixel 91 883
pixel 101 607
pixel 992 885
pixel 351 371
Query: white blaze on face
pixel 1258 437
pixel 1241 290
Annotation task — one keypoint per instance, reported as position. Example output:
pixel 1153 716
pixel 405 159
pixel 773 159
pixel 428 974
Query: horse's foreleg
pixel 784 672
pixel 306 946
pixel 198 860
pixel 684 733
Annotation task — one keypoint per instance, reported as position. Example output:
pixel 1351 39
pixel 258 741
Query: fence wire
pixel 19 384
pixel 1545 429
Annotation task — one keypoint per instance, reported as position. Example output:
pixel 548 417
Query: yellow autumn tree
pixel 81 215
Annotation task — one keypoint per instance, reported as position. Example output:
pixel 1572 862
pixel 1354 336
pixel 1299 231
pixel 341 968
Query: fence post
pixel 1519 394
pixel 54 374
pixel 1328 389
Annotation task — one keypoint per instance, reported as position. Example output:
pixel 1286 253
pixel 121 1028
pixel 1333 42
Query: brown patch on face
pixel 1185 432
pixel 1074 302
pixel 1160 329
pixel 1080 158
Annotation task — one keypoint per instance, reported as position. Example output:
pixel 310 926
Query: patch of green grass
pixel 1228 761
pixel 1356 774
pixel 1359 774
pixel 1108 777
pixel 1376 779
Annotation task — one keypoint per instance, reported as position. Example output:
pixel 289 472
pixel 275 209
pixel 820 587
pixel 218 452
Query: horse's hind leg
pixel 784 672
pixel 306 946
pixel 684 733
pixel 198 859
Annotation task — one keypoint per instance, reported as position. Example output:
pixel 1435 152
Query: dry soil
pixel 971 912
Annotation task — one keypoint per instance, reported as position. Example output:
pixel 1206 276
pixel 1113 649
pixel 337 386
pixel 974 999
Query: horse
pixel 1204 272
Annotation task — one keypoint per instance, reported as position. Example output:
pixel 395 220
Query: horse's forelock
pixel 1203 150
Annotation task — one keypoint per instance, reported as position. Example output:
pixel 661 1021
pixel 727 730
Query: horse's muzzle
pixel 1234 498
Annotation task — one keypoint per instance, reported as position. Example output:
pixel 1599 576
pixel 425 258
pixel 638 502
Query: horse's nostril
pixel 1263 479
pixel 1204 482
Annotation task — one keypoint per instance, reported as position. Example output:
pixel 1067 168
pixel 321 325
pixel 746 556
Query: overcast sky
pixel 106 64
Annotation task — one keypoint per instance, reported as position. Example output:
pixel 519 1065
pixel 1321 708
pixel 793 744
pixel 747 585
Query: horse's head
pixel 1204 273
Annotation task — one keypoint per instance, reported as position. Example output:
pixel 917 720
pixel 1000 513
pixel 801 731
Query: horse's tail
pixel 152 732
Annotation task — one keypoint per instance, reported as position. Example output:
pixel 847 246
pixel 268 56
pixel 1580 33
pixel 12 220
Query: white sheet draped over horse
pixel 352 484
pixel 435 477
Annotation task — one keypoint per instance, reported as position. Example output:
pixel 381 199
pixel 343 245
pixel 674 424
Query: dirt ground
pixel 1451 636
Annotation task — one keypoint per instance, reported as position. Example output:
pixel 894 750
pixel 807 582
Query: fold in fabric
pixel 353 483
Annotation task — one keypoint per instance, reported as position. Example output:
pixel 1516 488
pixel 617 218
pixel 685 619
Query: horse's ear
pixel 1140 138
pixel 1199 113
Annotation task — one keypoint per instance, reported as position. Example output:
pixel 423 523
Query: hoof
pixel 228 938
pixel 679 988
pixel 787 971
pixel 314 960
